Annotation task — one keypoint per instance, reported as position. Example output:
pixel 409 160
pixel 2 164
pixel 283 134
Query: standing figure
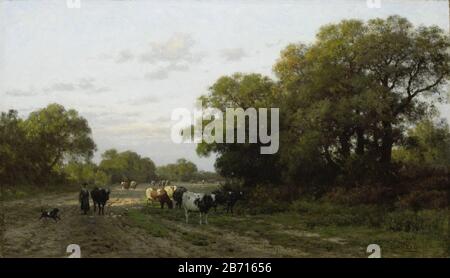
pixel 84 198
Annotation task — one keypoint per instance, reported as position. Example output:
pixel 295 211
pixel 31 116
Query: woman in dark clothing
pixel 84 198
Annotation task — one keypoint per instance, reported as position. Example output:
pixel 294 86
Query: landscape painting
pixel 224 129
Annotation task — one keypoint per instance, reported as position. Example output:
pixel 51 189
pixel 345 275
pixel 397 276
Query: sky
pixel 126 65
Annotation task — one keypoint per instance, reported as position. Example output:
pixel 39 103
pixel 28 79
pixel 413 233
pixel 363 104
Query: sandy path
pixel 115 235
pixel 110 235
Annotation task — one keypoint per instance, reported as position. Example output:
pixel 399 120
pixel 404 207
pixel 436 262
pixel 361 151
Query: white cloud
pixel 20 93
pixel 60 87
pixel 87 84
pixel 233 54
pixel 164 72
pixel 138 130
pixel 159 74
pixel 124 56
pixel 178 48
pixel 144 100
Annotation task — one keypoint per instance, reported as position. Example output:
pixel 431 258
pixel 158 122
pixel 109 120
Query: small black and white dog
pixel 50 214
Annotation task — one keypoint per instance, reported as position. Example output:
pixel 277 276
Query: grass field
pixel 315 229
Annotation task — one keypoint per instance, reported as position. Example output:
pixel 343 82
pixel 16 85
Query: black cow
pixel 232 198
pixel 226 198
pixel 178 196
pixel 100 196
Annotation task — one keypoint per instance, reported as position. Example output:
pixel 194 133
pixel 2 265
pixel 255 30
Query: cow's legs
pixel 206 218
pixel 200 218
pixel 186 214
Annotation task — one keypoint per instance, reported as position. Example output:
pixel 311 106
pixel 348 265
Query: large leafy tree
pixel 351 94
pixel 345 100
pixel 56 134
pixel 13 149
pixel 241 160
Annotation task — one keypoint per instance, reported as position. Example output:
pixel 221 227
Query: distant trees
pixel 346 101
pixel 33 150
pixel 127 166
pixel 182 170
pixel 55 146
pixel 185 171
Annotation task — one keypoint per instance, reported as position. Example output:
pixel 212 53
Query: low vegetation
pixel 315 229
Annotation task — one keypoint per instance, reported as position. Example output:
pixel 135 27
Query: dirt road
pixel 116 234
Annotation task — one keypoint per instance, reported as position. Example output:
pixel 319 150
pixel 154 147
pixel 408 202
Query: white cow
pixel 197 202
pixel 133 185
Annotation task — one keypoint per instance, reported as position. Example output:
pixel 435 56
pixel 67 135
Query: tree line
pixel 54 145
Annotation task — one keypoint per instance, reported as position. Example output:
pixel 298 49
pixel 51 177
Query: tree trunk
pixel 344 141
pixel 360 141
pixel 386 144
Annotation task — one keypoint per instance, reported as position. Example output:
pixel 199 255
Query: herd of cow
pixel 191 201
pixel 170 195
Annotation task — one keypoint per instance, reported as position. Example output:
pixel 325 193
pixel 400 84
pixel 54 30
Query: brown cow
pixel 125 185
pixel 159 195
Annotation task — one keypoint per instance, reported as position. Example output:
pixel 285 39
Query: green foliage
pixel 318 213
pixel 426 143
pixel 127 166
pixel 81 172
pixel 242 161
pixel 150 224
pixel 352 92
pixel 13 149
pixel 185 171
pixel 345 101
pixel 182 170
pixel 423 221
pixel 34 149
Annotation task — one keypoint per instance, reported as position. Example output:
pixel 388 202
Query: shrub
pixel 369 194
pixel 420 199
pixel 424 221
pixel 262 199
pixel 326 213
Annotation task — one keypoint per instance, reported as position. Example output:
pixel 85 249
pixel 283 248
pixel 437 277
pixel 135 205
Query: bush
pixel 265 200
pixel 369 194
pixel 419 199
pixel 320 213
pixel 423 221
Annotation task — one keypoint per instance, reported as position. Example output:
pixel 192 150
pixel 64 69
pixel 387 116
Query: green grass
pixel 146 222
pixel 321 229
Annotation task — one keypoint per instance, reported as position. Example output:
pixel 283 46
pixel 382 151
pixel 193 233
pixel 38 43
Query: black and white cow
pixel 197 202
